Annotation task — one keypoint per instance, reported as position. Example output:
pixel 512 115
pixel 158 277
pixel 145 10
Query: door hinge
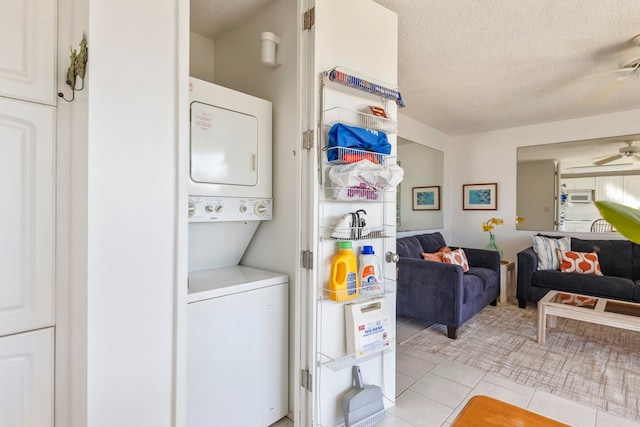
pixel 306 379
pixel 307 260
pixel 307 139
pixel 309 19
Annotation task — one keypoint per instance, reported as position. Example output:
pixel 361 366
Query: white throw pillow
pixel 545 249
pixel 457 257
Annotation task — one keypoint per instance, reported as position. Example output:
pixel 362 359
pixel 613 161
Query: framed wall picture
pixel 426 198
pixel 481 197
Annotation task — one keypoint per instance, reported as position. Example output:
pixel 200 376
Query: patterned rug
pixel 598 366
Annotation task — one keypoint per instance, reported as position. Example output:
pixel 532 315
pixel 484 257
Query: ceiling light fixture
pixel 270 50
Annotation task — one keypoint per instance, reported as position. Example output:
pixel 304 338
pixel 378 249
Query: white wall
pixel 274 245
pixel 417 132
pixel 491 157
pixel 131 217
pixel 201 57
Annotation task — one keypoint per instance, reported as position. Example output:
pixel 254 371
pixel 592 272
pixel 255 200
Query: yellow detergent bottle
pixel 343 281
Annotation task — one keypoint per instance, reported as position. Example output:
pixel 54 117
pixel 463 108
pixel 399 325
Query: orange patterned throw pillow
pixel 436 256
pixel 579 262
pixel 457 257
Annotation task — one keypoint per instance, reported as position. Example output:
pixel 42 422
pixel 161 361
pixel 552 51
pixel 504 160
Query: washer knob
pixel 219 208
pixel 243 208
pixel 260 209
pixel 192 208
pixel 209 208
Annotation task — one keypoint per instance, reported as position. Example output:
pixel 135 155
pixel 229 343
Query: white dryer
pixel 230 142
pixel 230 184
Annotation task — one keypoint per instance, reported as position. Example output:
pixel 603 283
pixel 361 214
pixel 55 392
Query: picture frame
pixel 480 197
pixel 426 198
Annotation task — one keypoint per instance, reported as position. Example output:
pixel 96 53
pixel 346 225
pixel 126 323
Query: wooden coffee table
pixel 484 411
pixel 602 311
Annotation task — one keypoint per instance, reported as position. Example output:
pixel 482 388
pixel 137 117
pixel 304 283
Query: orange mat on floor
pixel 484 411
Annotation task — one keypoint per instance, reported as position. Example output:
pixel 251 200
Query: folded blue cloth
pixel 341 135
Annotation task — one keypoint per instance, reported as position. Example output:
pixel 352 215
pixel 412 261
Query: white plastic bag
pixel 375 177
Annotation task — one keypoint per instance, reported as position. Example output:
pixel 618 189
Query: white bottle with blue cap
pixel 370 272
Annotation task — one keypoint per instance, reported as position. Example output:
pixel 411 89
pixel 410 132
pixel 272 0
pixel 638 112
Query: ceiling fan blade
pixel 608 159
pixel 616 76
pixel 623 72
pixel 605 91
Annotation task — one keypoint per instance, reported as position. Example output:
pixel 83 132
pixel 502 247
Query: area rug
pixel 598 366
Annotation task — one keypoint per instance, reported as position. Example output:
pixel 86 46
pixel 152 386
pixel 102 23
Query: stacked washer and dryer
pixel 237 352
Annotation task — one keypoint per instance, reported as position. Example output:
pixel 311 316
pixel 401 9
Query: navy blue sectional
pixel 441 293
pixel 619 261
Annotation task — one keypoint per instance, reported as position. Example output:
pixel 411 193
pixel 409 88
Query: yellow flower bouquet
pixel 489 225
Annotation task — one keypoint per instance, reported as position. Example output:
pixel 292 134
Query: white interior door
pixel 26 379
pixel 632 191
pixel 27 220
pixel 337 40
pixel 27 49
pixel 538 181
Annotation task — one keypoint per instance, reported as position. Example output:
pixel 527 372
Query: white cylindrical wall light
pixel 270 55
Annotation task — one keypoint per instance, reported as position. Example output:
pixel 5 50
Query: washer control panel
pixel 210 208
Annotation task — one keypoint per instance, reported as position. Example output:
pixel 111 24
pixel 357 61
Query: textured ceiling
pixel 210 18
pixel 468 66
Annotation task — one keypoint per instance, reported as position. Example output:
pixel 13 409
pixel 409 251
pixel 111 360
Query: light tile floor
pixel 431 392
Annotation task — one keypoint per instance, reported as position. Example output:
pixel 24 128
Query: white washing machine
pixel 237 372
pixel 237 316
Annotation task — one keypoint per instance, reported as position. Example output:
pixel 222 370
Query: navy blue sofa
pixel 441 293
pixel 619 261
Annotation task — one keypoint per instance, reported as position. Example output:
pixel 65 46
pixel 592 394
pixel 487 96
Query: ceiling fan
pixel 614 80
pixel 617 76
pixel 629 151
pixel 628 68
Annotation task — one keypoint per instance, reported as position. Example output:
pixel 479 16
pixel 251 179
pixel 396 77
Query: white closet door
pixel 26 379
pixel 27 49
pixel 632 191
pixel 27 219
pixel 610 188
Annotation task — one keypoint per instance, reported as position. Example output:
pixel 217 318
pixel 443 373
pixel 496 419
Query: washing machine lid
pixel 217 282
pixel 224 146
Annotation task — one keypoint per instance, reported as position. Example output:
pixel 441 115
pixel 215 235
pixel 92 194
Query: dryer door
pixel 224 146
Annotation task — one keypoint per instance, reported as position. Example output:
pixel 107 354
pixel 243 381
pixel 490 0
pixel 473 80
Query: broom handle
pixel 357 375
